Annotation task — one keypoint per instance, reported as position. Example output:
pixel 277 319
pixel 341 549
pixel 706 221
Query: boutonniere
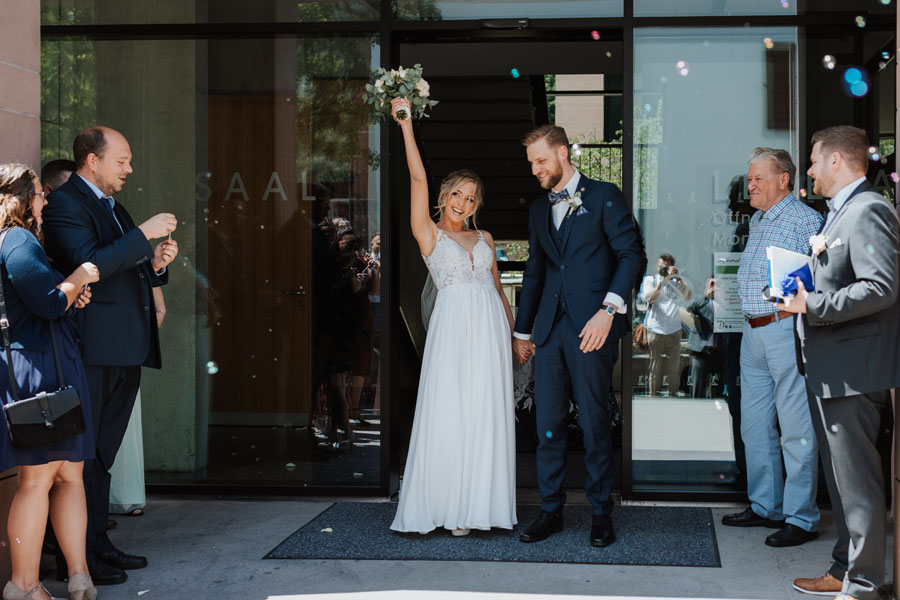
pixel 574 203
pixel 818 243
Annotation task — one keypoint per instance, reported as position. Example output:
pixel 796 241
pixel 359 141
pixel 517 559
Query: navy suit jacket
pixel 595 251
pixel 118 327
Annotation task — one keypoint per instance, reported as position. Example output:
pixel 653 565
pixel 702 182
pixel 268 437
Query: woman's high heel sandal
pixel 14 592
pixel 81 587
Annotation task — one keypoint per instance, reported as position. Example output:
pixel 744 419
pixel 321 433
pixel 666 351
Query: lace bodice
pixel 450 263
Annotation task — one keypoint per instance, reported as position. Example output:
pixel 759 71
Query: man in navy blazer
pixel 82 222
pixel 584 257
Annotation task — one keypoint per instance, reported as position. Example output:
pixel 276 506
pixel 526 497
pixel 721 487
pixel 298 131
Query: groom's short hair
pixel 851 143
pixel 555 135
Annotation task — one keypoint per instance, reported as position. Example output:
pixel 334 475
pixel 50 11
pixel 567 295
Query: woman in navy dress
pixel 49 477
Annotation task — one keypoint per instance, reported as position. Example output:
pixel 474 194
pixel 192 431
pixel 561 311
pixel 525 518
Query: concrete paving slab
pixel 213 548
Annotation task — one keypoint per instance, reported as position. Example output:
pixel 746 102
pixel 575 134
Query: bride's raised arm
pixel 423 228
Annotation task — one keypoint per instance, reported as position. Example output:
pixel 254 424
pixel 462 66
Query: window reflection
pixel 691 204
pixel 262 149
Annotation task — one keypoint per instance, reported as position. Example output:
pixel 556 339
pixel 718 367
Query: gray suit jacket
pixel 851 328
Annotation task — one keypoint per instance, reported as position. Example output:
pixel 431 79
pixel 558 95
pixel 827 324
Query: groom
pixel 584 256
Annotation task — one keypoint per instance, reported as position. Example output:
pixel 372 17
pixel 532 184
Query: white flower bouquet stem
pixel 398 83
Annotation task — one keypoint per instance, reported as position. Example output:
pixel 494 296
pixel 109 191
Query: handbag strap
pixel 4 331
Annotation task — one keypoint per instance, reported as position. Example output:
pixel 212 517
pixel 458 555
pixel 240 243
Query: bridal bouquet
pixel 398 83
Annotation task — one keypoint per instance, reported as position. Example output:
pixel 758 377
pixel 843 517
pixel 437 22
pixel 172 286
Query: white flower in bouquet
pixel 402 82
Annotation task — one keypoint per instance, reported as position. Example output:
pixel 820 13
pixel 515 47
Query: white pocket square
pixel 581 211
pixel 836 242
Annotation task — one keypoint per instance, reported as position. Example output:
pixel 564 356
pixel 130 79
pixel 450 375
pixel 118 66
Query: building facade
pixel 294 329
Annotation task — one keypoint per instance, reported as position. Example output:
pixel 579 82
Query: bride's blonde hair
pixel 453 182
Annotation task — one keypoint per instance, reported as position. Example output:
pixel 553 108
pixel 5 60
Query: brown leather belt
pixel 766 319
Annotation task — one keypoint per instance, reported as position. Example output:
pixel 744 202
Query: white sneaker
pixel 460 532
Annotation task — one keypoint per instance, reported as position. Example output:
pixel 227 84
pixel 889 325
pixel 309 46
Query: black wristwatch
pixel 610 310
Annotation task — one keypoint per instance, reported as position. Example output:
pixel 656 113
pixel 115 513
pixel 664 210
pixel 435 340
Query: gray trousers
pixel 847 430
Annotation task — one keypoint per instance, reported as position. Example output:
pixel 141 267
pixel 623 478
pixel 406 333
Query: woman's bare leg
pixel 27 523
pixel 68 513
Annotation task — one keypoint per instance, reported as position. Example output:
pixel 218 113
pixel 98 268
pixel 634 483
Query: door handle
pixel 297 292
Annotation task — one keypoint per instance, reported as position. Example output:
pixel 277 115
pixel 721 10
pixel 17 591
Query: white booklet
pixel 781 263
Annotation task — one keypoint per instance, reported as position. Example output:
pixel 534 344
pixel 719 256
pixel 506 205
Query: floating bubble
pixel 883 160
pixel 886 55
pixel 895 177
pixel 721 475
pixel 212 368
pixel 885 2
pixel 357 475
pixel 873 153
pixel 576 146
pixel 834 428
pixel 860 21
pixel 648 108
pixel 595 34
pixel 683 72
pixel 803 192
pixel 829 62
pixel 290 466
pixel 514 73
pixel 803 442
pixel 608 54
pixel 680 64
pixel 853 75
pixel 870 248
pixel 785 4
pixel 768 43
pixel 859 89
pixel 578 152
pixel 718 405
pixel 549 434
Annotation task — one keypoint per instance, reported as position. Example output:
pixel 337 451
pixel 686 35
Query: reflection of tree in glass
pixel 331 75
pixel 309 11
pixel 68 85
pixel 416 10
pixel 647 138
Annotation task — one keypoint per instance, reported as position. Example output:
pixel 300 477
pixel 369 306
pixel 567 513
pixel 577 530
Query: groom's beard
pixel 553 177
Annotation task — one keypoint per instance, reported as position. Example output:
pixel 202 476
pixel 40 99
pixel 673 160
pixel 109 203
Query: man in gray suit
pixel 849 329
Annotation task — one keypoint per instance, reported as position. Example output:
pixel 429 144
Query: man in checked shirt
pixel 772 390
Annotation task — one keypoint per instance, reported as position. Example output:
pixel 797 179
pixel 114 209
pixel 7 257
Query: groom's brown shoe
pixel 542 527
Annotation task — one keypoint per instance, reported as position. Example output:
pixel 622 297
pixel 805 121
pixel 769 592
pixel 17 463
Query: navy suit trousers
pixel 563 371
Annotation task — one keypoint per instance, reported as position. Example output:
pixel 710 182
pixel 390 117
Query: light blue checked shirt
pixel 789 225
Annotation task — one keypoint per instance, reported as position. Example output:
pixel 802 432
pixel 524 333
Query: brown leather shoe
pixel 826 585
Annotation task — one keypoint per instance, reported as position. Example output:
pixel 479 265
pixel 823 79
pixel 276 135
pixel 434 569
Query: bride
pixel 460 472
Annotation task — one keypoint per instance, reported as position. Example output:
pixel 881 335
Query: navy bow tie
pixel 557 197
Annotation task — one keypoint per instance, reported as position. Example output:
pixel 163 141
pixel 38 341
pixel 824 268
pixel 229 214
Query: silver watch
pixel 610 310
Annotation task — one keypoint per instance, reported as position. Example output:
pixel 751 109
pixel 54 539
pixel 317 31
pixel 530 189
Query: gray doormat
pixel 646 535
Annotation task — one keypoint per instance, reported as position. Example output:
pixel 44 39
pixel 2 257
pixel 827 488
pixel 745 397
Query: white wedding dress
pixel 461 468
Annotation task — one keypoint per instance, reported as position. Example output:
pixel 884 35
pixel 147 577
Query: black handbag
pixel 47 417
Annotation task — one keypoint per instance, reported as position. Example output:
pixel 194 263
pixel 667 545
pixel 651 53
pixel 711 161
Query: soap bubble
pixel 595 34
pixel 212 368
pixel 886 55
pixel 895 177
pixel 860 21
pixel 828 62
pixel 768 43
pixel 873 153
pixel 885 2
pixel 834 428
pixel 608 54
pixel 803 192
pixel 803 442
pixel 514 72
pixel 549 434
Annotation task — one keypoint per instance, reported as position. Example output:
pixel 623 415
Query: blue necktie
pixel 557 197
pixel 109 207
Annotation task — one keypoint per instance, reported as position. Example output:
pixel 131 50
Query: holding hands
pixel 522 349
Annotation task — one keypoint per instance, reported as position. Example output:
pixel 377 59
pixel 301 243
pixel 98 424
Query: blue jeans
pixel 774 391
